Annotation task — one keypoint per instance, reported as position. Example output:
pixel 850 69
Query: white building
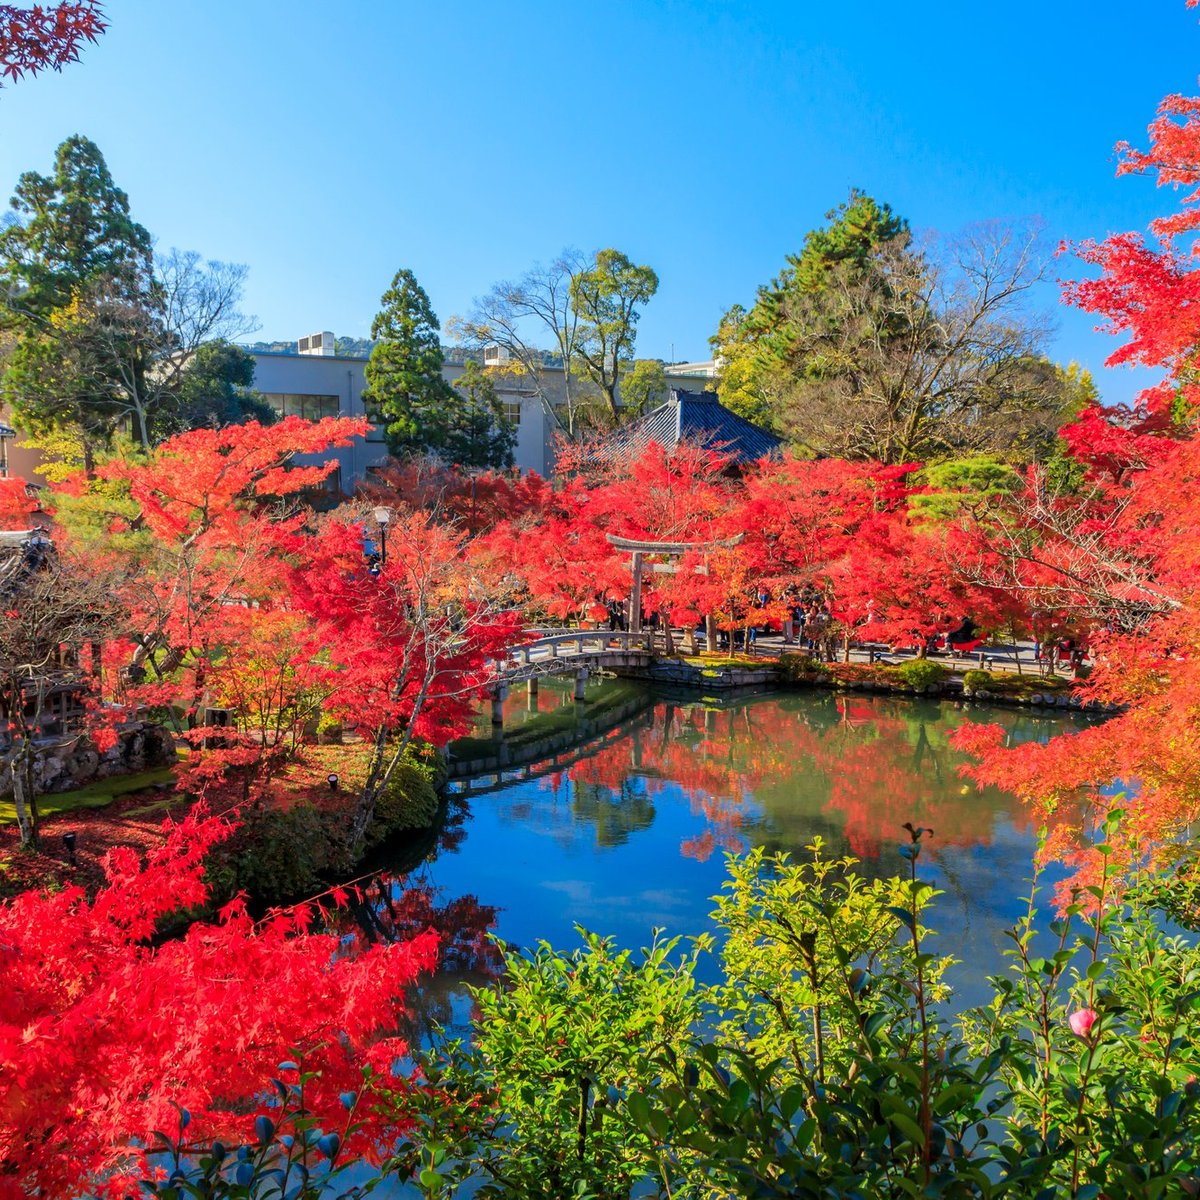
pixel 317 382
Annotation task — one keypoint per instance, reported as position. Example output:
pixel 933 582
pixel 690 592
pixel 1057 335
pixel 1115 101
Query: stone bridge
pixel 578 652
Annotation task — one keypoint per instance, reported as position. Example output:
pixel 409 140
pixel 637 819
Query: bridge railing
pixel 576 641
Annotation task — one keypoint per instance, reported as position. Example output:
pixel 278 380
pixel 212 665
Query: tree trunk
pixel 143 432
pixel 24 795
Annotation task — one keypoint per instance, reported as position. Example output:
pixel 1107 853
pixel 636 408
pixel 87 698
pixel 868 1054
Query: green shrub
pixel 279 854
pixel 802 668
pixel 329 730
pixel 556 1054
pixel 827 1061
pixel 975 681
pixel 408 802
pixel 921 673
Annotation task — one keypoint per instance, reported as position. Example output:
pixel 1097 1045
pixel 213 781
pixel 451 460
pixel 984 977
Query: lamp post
pixel 382 517
pixel 7 433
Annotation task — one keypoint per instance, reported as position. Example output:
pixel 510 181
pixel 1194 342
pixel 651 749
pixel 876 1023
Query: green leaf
pixel 908 1127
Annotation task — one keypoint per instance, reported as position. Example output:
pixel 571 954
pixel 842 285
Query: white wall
pixel 317 375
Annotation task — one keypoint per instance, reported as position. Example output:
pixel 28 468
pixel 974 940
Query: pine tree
pixel 405 390
pixel 73 231
pixel 756 347
pixel 77 280
pixel 479 434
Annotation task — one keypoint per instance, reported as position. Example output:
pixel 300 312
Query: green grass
pixel 96 795
pixel 725 661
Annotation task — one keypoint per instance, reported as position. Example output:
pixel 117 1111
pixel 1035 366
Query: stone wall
pixel 66 763
pixel 677 673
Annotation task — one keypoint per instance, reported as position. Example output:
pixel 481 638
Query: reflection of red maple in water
pixel 684 748
pixel 872 764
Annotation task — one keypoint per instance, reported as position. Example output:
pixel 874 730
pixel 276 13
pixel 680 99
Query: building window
pixel 321 495
pixel 512 411
pixel 311 408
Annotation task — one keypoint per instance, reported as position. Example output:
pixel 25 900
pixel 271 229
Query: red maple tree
pixel 1119 547
pixel 103 1028
pixel 41 37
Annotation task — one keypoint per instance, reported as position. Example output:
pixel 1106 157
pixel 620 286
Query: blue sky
pixel 327 145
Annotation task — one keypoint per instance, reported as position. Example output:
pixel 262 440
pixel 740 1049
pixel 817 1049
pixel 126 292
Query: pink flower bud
pixel 1081 1022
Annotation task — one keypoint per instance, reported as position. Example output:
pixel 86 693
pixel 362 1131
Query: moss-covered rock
pixel 977 681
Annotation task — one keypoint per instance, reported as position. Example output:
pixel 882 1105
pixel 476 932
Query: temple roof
pixel 698 419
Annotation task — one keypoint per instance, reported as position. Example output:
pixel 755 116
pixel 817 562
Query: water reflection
pixel 776 771
pixel 628 837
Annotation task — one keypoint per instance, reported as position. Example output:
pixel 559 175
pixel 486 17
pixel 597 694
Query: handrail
pixel 589 635
pixel 518 658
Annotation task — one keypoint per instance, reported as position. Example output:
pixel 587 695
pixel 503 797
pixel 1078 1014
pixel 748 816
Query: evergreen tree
pixel 78 294
pixel 871 345
pixel 405 390
pixel 763 347
pixel 73 229
pixel 478 433
pixel 215 389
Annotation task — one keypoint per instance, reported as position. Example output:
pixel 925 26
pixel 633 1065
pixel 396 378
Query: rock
pixel 84 763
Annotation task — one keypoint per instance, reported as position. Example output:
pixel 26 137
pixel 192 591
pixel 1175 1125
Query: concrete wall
pixel 320 375
pixel 325 375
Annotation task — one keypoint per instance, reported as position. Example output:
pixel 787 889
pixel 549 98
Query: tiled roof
pixel 699 419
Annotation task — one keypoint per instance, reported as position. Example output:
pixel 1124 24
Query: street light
pixel 7 434
pixel 332 780
pixel 382 517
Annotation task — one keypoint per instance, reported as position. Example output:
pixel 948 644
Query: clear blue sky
pixel 326 145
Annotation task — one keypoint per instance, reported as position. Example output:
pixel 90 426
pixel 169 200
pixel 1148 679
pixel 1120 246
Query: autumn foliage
pixel 103 1029
pixel 41 37
pixel 232 593
pixel 1122 548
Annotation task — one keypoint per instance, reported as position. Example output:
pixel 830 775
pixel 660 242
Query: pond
pixel 632 834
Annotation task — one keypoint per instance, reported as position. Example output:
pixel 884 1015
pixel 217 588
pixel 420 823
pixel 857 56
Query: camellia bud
pixel 1081 1022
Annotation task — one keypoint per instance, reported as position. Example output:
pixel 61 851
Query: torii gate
pixel 639 549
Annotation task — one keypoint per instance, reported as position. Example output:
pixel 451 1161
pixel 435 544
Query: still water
pixel 633 835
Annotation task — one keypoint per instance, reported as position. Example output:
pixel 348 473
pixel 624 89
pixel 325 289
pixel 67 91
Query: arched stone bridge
pixel 578 652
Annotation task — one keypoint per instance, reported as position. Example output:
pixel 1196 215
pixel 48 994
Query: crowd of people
pixel 810 624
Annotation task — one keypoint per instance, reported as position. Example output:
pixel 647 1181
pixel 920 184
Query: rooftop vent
pixel 317 343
